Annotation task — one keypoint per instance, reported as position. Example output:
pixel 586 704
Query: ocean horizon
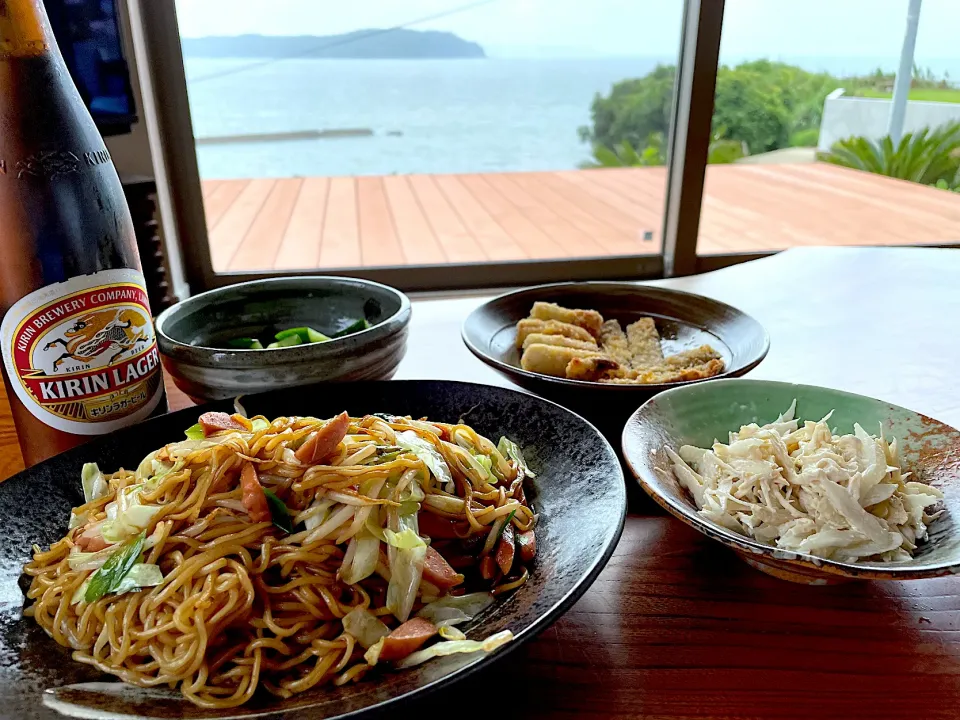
pixel 423 116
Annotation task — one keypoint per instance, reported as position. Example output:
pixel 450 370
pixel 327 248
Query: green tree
pixel 760 105
pixel 633 111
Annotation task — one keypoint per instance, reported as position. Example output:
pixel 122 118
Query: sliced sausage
pixel 506 550
pixel 436 527
pixel 90 540
pixel 438 571
pixel 253 498
pixel 407 638
pixel 324 441
pixel 488 567
pixel 527 544
pixel 214 422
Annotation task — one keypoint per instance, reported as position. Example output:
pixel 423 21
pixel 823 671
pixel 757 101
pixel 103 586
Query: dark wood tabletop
pixel 676 626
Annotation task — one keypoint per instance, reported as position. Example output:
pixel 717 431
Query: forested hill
pixel 365 44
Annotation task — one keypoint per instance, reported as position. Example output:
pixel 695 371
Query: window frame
pixel 167 112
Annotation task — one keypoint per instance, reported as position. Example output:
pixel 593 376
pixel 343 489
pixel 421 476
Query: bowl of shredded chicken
pixel 801 494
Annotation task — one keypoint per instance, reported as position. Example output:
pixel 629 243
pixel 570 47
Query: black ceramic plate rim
pixel 386 327
pixel 509 369
pixel 688 515
pixel 536 626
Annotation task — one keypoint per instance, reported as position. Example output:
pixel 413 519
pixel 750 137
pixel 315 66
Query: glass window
pixel 810 147
pixel 429 132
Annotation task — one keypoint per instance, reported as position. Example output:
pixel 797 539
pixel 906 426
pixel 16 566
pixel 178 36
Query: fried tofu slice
pixel 691 358
pixel 560 340
pixel 594 369
pixel 697 364
pixel 589 320
pixel 614 342
pixel 671 375
pixel 552 359
pixel 644 343
pixel 550 327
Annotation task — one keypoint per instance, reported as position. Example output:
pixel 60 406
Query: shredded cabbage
pixel 146 467
pixel 486 461
pixel 89 560
pixel 451 647
pixel 448 632
pixel 406 539
pixel 364 626
pixel 318 511
pixel 372 655
pixel 481 464
pixel 127 515
pixel 360 560
pixel 94 483
pixel 406 571
pixel 455 609
pixel 801 488
pixel 428 454
pixel 412 493
pixel 508 448
pixel 152 469
pixel 140 576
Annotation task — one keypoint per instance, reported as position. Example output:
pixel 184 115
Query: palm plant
pixel 723 151
pixel 623 154
pixel 925 157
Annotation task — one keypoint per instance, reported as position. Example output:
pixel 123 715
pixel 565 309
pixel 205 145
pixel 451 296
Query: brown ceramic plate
pixel 683 320
pixel 579 493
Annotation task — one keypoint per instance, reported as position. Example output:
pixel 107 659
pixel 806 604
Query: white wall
pixel 844 117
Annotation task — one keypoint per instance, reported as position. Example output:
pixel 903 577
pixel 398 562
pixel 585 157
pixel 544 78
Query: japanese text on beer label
pixel 82 355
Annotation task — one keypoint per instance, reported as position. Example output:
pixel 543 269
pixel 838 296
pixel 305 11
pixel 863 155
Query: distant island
pixel 361 44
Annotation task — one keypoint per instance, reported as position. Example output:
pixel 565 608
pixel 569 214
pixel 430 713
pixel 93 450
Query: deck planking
pixel 319 222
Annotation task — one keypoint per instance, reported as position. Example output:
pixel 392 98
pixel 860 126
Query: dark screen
pixel 88 33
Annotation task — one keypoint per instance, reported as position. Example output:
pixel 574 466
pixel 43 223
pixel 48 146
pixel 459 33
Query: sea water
pixel 418 116
pixel 426 116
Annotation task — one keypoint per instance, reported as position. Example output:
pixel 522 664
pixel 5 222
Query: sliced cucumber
pixel 245 343
pixel 354 327
pixel 288 341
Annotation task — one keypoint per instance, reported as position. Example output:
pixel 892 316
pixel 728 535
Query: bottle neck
pixel 24 29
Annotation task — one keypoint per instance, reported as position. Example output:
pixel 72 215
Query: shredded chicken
pixel 803 489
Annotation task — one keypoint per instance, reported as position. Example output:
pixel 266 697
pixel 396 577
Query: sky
pixel 605 28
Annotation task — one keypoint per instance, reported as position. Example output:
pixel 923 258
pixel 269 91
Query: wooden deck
pixel 320 222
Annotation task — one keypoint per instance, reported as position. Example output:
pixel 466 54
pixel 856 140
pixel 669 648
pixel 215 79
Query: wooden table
pixel 678 627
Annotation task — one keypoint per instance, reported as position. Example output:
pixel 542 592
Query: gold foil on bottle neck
pixel 24 29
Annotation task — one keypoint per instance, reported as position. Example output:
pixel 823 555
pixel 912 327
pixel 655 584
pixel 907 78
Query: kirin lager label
pixel 81 355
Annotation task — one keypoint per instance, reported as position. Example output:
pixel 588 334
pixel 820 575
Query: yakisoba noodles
pixel 283 555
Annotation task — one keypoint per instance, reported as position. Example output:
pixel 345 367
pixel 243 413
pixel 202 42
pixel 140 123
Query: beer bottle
pixel 79 350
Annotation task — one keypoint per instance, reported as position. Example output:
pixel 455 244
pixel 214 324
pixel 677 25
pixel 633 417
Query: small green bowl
pixel 697 414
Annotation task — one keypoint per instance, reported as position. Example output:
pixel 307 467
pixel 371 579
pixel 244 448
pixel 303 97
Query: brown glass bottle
pixel 77 339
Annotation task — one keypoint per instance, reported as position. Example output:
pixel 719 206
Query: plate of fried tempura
pixel 621 337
